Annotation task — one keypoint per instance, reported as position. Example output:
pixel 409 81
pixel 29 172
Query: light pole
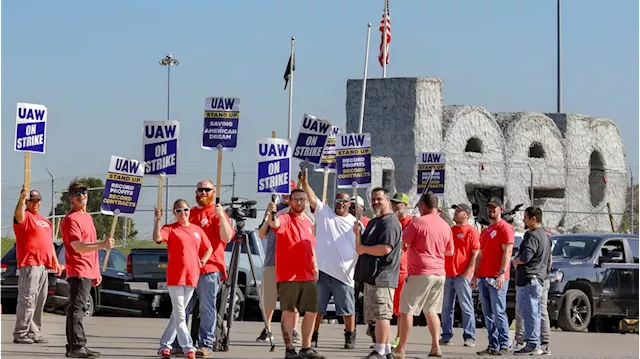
pixel 168 61
pixel 53 201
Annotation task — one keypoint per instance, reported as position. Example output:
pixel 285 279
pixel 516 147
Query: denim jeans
pixel 494 309
pixel 545 327
pixel 458 287
pixel 528 298
pixel 207 292
pixel 177 328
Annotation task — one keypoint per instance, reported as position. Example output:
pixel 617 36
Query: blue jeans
pixel 207 291
pixel 343 295
pixel 528 299
pixel 459 287
pixel 494 309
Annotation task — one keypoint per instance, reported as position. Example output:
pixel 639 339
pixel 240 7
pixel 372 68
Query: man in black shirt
pixel 378 268
pixel 531 271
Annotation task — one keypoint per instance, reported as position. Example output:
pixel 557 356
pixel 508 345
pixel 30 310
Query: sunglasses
pixel 297 199
pixel 181 210
pixel 78 193
pixel 205 190
pixel 341 200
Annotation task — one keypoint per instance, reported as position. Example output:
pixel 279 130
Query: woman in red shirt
pixel 183 270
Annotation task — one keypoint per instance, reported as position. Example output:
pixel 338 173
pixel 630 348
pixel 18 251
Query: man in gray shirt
pixel 531 271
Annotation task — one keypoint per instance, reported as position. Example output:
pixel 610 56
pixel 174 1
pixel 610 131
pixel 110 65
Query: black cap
pixel 34 194
pixel 463 206
pixel 494 201
pixel 76 186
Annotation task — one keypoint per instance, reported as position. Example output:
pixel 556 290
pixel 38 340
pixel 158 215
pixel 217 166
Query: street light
pixel 168 61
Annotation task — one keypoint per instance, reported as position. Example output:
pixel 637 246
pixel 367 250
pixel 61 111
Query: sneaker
pixel 349 339
pixel 487 351
pixel 265 336
pixel 314 339
pixel 395 343
pixel 165 353
pixel 389 356
pixel 40 340
pixel 546 350
pixel 204 352
pixel 296 337
pixel 469 343
pixel 375 355
pixel 446 342
pixel 515 346
pixel 191 354
pixel 503 351
pixel 23 340
pixel 82 353
pixel 528 351
pixel 290 353
pixel 309 353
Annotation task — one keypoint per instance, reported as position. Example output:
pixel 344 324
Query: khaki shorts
pixel 378 303
pixel 422 293
pixel 269 288
pixel 302 296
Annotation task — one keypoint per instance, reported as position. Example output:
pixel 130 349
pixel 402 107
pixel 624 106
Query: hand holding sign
pixel 108 243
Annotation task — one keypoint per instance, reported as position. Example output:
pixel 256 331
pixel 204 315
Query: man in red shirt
pixel 207 215
pixel 429 240
pixel 492 277
pixel 35 254
pixel 81 263
pixel 460 268
pixel 296 272
pixel 399 205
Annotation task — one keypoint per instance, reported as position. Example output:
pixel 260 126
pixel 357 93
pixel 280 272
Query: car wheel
pixel 238 305
pixel 89 307
pixel 575 313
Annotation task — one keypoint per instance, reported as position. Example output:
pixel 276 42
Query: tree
pixel 625 224
pixel 101 221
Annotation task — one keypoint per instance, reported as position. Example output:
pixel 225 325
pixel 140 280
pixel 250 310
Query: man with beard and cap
pixel 35 254
pixel 399 205
pixel 379 249
pixel 492 277
pixel 269 285
pixel 460 268
pixel 336 256
pixel 215 222
pixel 296 272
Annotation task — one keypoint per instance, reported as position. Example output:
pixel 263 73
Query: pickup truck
pixel 147 268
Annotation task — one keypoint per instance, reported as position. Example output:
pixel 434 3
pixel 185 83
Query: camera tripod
pixel 222 332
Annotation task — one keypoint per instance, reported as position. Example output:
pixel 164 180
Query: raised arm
pixel 18 214
pixel 311 195
pixel 156 226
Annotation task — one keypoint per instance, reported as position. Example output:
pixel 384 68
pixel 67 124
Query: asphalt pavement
pixel 139 338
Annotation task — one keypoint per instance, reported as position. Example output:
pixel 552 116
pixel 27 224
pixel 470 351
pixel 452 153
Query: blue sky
pixel 95 65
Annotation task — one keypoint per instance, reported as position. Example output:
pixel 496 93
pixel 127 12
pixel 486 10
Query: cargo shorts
pixel 378 303
pixel 298 295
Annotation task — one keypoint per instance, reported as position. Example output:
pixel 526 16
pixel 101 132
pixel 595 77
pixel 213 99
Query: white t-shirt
pixel 335 243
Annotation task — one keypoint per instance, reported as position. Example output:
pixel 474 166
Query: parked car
pixel 111 296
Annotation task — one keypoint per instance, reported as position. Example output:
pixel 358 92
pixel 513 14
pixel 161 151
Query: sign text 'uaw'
pixel 328 159
pixel 31 128
pixel 428 161
pixel 274 165
pixel 122 188
pixel 312 139
pixel 160 146
pixel 221 116
pixel 353 160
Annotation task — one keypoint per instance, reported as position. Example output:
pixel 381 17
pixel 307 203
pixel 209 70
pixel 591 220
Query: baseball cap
pixel 400 198
pixel 76 186
pixel 359 201
pixel 34 194
pixel 494 201
pixel 463 206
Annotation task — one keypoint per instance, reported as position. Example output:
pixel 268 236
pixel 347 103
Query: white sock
pixel 380 348
pixel 387 348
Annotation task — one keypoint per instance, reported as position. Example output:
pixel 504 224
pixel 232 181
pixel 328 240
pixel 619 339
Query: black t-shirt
pixel 535 244
pixel 381 271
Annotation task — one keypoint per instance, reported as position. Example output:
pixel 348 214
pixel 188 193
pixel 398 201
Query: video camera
pixel 241 210
pixel 508 216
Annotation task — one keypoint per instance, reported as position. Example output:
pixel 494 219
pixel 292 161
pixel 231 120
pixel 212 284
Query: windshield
pixel 573 247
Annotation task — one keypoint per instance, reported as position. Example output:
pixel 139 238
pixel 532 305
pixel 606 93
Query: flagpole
pixel 559 59
pixel 364 78
pixel 293 61
pixel 384 41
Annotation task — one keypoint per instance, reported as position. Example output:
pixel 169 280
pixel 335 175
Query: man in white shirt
pixel 336 256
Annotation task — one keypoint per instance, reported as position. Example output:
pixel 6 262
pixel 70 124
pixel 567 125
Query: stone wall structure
pixel 577 162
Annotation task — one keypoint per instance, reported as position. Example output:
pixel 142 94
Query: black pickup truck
pixel 594 282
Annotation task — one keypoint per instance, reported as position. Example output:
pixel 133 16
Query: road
pixel 138 338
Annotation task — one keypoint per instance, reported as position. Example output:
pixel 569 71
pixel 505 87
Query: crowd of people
pixel 403 265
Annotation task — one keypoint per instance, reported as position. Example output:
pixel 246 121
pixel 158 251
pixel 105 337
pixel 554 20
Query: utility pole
pixel 53 201
pixel 168 61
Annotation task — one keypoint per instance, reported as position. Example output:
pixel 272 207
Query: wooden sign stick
pixel 160 185
pixel 111 234
pixel 324 184
pixel 219 175
pixel 27 171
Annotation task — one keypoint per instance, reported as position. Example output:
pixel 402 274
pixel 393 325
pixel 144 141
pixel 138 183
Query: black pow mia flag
pixel 290 69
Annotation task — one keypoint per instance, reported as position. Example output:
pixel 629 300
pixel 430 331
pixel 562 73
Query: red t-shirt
pixel 208 220
pixel 183 245
pixel 491 240
pixel 78 226
pixel 365 221
pixel 295 242
pixel 34 246
pixel 428 237
pixel 466 239
pixel 404 222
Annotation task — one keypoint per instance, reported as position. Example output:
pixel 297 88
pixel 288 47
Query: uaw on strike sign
pixel 311 139
pixel 31 128
pixel 122 188
pixel 160 142
pixel 328 159
pixel 221 116
pixel 274 165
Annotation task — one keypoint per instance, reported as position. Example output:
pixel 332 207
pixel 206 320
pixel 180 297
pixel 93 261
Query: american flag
pixel 385 22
